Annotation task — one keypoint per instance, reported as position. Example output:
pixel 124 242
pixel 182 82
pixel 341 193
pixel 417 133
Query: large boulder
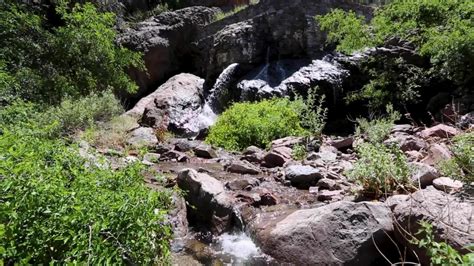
pixel 176 106
pixel 450 216
pixel 341 233
pixel 165 41
pixel 302 176
pixel 208 202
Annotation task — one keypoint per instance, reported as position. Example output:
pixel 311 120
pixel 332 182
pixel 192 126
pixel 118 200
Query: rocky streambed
pixel 263 207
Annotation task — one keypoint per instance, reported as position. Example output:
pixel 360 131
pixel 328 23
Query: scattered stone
pixel 328 184
pixel 174 155
pixel 242 184
pixel 313 190
pixel 249 198
pixel 277 157
pixel 446 184
pixel 328 195
pixel 340 233
pixel 267 199
pixel 142 137
pixel 253 154
pixel 242 167
pixel 342 144
pixel 423 174
pixel 407 142
pixel 405 128
pixel 441 131
pixel 288 142
pixel 450 216
pixel 437 153
pixel 394 200
pixel 414 155
pixel 252 150
pixel 184 145
pixel 205 151
pixel 466 121
pixel 162 148
pixel 130 159
pixel 302 176
pixel 208 202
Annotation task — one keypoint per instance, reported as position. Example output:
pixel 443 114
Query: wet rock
pixel 437 153
pixel 277 157
pixel 328 184
pixel 466 121
pixel 205 151
pixel 328 195
pixel 302 176
pixel 178 216
pixel 174 156
pixel 242 167
pixel 441 131
pixel 174 106
pixel 447 184
pixel 450 216
pixel 142 137
pixel 267 199
pixel 407 142
pixel 253 154
pixel 242 184
pixel 163 148
pixel 423 174
pixel 339 233
pixel 208 202
pixel 184 145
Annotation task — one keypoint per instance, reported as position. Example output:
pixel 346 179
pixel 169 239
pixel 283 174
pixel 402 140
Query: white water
pixel 238 245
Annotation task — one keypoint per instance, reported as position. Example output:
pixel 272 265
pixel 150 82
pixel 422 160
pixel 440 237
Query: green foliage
pixel 222 15
pixel 299 152
pixel 380 170
pixel 462 165
pixel 376 130
pixel 312 112
pixel 85 112
pixel 347 29
pixel 441 253
pixel 112 134
pixel 440 30
pixel 73 60
pixel 56 207
pixel 246 124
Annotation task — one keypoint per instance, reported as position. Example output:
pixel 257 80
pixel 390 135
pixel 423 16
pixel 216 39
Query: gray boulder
pixel 302 176
pixel 450 216
pixel 242 167
pixel 277 157
pixel 142 137
pixel 341 233
pixel 423 174
pixel 208 202
pixel 205 151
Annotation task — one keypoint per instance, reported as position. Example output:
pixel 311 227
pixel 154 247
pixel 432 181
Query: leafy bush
pixel 112 134
pixel 299 152
pixel 440 252
pixel 380 169
pixel 57 208
pixel 376 130
pixel 246 124
pixel 73 115
pixel 47 64
pixel 312 112
pixel 439 30
pixel 462 165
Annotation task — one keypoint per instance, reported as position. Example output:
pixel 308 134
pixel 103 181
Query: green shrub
pixel 246 124
pixel 50 63
pixel 85 112
pixel 440 30
pixel 376 130
pixel 299 152
pixel 112 134
pixel 380 169
pixel 440 253
pixel 312 112
pixel 462 165
pixel 57 208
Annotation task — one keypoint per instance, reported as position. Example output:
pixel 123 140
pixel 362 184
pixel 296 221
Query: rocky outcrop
pixel 165 41
pixel 450 216
pixel 341 233
pixel 302 176
pixel 142 137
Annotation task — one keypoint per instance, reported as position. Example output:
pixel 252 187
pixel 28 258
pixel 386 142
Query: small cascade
pixel 219 95
pixel 263 74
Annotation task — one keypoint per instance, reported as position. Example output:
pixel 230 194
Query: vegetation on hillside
pixel 57 205
pixel 441 31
